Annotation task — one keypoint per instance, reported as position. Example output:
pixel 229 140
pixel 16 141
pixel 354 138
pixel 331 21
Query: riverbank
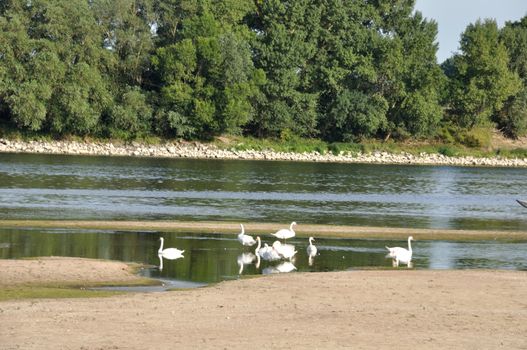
pixel 302 230
pixel 197 150
pixel 471 309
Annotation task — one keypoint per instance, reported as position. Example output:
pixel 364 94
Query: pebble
pixel 204 151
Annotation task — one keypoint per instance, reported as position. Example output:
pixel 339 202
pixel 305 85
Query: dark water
pixel 113 188
pixel 214 257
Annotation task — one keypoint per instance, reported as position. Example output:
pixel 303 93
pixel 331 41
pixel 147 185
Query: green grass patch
pixel 69 290
pixel 34 292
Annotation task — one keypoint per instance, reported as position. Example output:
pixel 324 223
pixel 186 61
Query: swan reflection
pixel 161 256
pixel 247 259
pixel 285 251
pixel 284 267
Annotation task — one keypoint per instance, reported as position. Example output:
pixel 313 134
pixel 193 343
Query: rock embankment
pixel 204 151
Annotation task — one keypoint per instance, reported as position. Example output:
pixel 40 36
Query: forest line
pixel 338 71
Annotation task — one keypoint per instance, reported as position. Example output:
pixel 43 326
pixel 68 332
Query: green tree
pixel 286 42
pixel 512 119
pixel 207 75
pixel 52 60
pixel 413 77
pixel 481 80
pixel 126 27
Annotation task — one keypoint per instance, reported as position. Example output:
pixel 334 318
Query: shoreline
pixel 302 230
pixel 196 150
pixel 327 310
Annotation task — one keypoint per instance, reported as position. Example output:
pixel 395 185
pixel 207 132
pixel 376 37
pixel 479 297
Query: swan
pixel 311 249
pixel 169 253
pixel 402 255
pixel 244 239
pixel 286 251
pixel 267 253
pixel 285 233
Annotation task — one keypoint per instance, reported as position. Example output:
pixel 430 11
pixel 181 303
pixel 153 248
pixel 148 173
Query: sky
pixel 453 16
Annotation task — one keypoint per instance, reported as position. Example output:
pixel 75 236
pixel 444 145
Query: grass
pixel 298 145
pixel 475 143
pixel 40 292
pixel 58 290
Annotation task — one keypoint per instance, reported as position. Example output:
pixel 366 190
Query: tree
pixel 284 46
pixel 414 78
pixel 53 56
pixel 207 75
pixel 512 119
pixel 481 80
pixel 355 115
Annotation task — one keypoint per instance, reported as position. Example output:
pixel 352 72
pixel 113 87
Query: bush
pixel 476 137
pixel 449 151
pixel 340 147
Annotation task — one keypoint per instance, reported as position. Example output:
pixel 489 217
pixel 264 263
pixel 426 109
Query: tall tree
pixel 128 30
pixel 481 80
pixel 415 79
pixel 53 56
pixel 512 119
pixel 286 42
pixel 345 72
pixel 208 77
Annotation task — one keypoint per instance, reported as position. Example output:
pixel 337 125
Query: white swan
pixel 244 239
pixel 401 255
pixel 169 253
pixel 311 249
pixel 286 251
pixel 267 253
pixel 285 233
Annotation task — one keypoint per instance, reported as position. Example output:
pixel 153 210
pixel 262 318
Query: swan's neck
pixel 258 246
pixel 161 246
pixel 243 229
pixel 409 245
pixel 311 241
pixel 291 227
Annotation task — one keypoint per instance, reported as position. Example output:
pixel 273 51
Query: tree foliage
pixel 338 70
pixel 481 78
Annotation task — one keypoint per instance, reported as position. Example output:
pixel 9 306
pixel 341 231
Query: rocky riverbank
pixel 205 151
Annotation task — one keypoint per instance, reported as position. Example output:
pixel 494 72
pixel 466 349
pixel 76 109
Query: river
pixel 127 188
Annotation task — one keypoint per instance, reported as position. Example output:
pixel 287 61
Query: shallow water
pixel 127 188
pixel 210 258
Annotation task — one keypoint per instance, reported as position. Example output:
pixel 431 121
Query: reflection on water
pixel 214 257
pixel 110 188
pixel 283 267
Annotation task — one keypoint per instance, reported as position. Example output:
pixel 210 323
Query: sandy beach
pixel 390 309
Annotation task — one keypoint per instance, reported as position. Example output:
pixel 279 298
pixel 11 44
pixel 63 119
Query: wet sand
pixel 391 309
pixel 304 230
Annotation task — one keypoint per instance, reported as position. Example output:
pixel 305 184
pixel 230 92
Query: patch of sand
pixel 305 230
pixel 470 309
pixel 61 270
